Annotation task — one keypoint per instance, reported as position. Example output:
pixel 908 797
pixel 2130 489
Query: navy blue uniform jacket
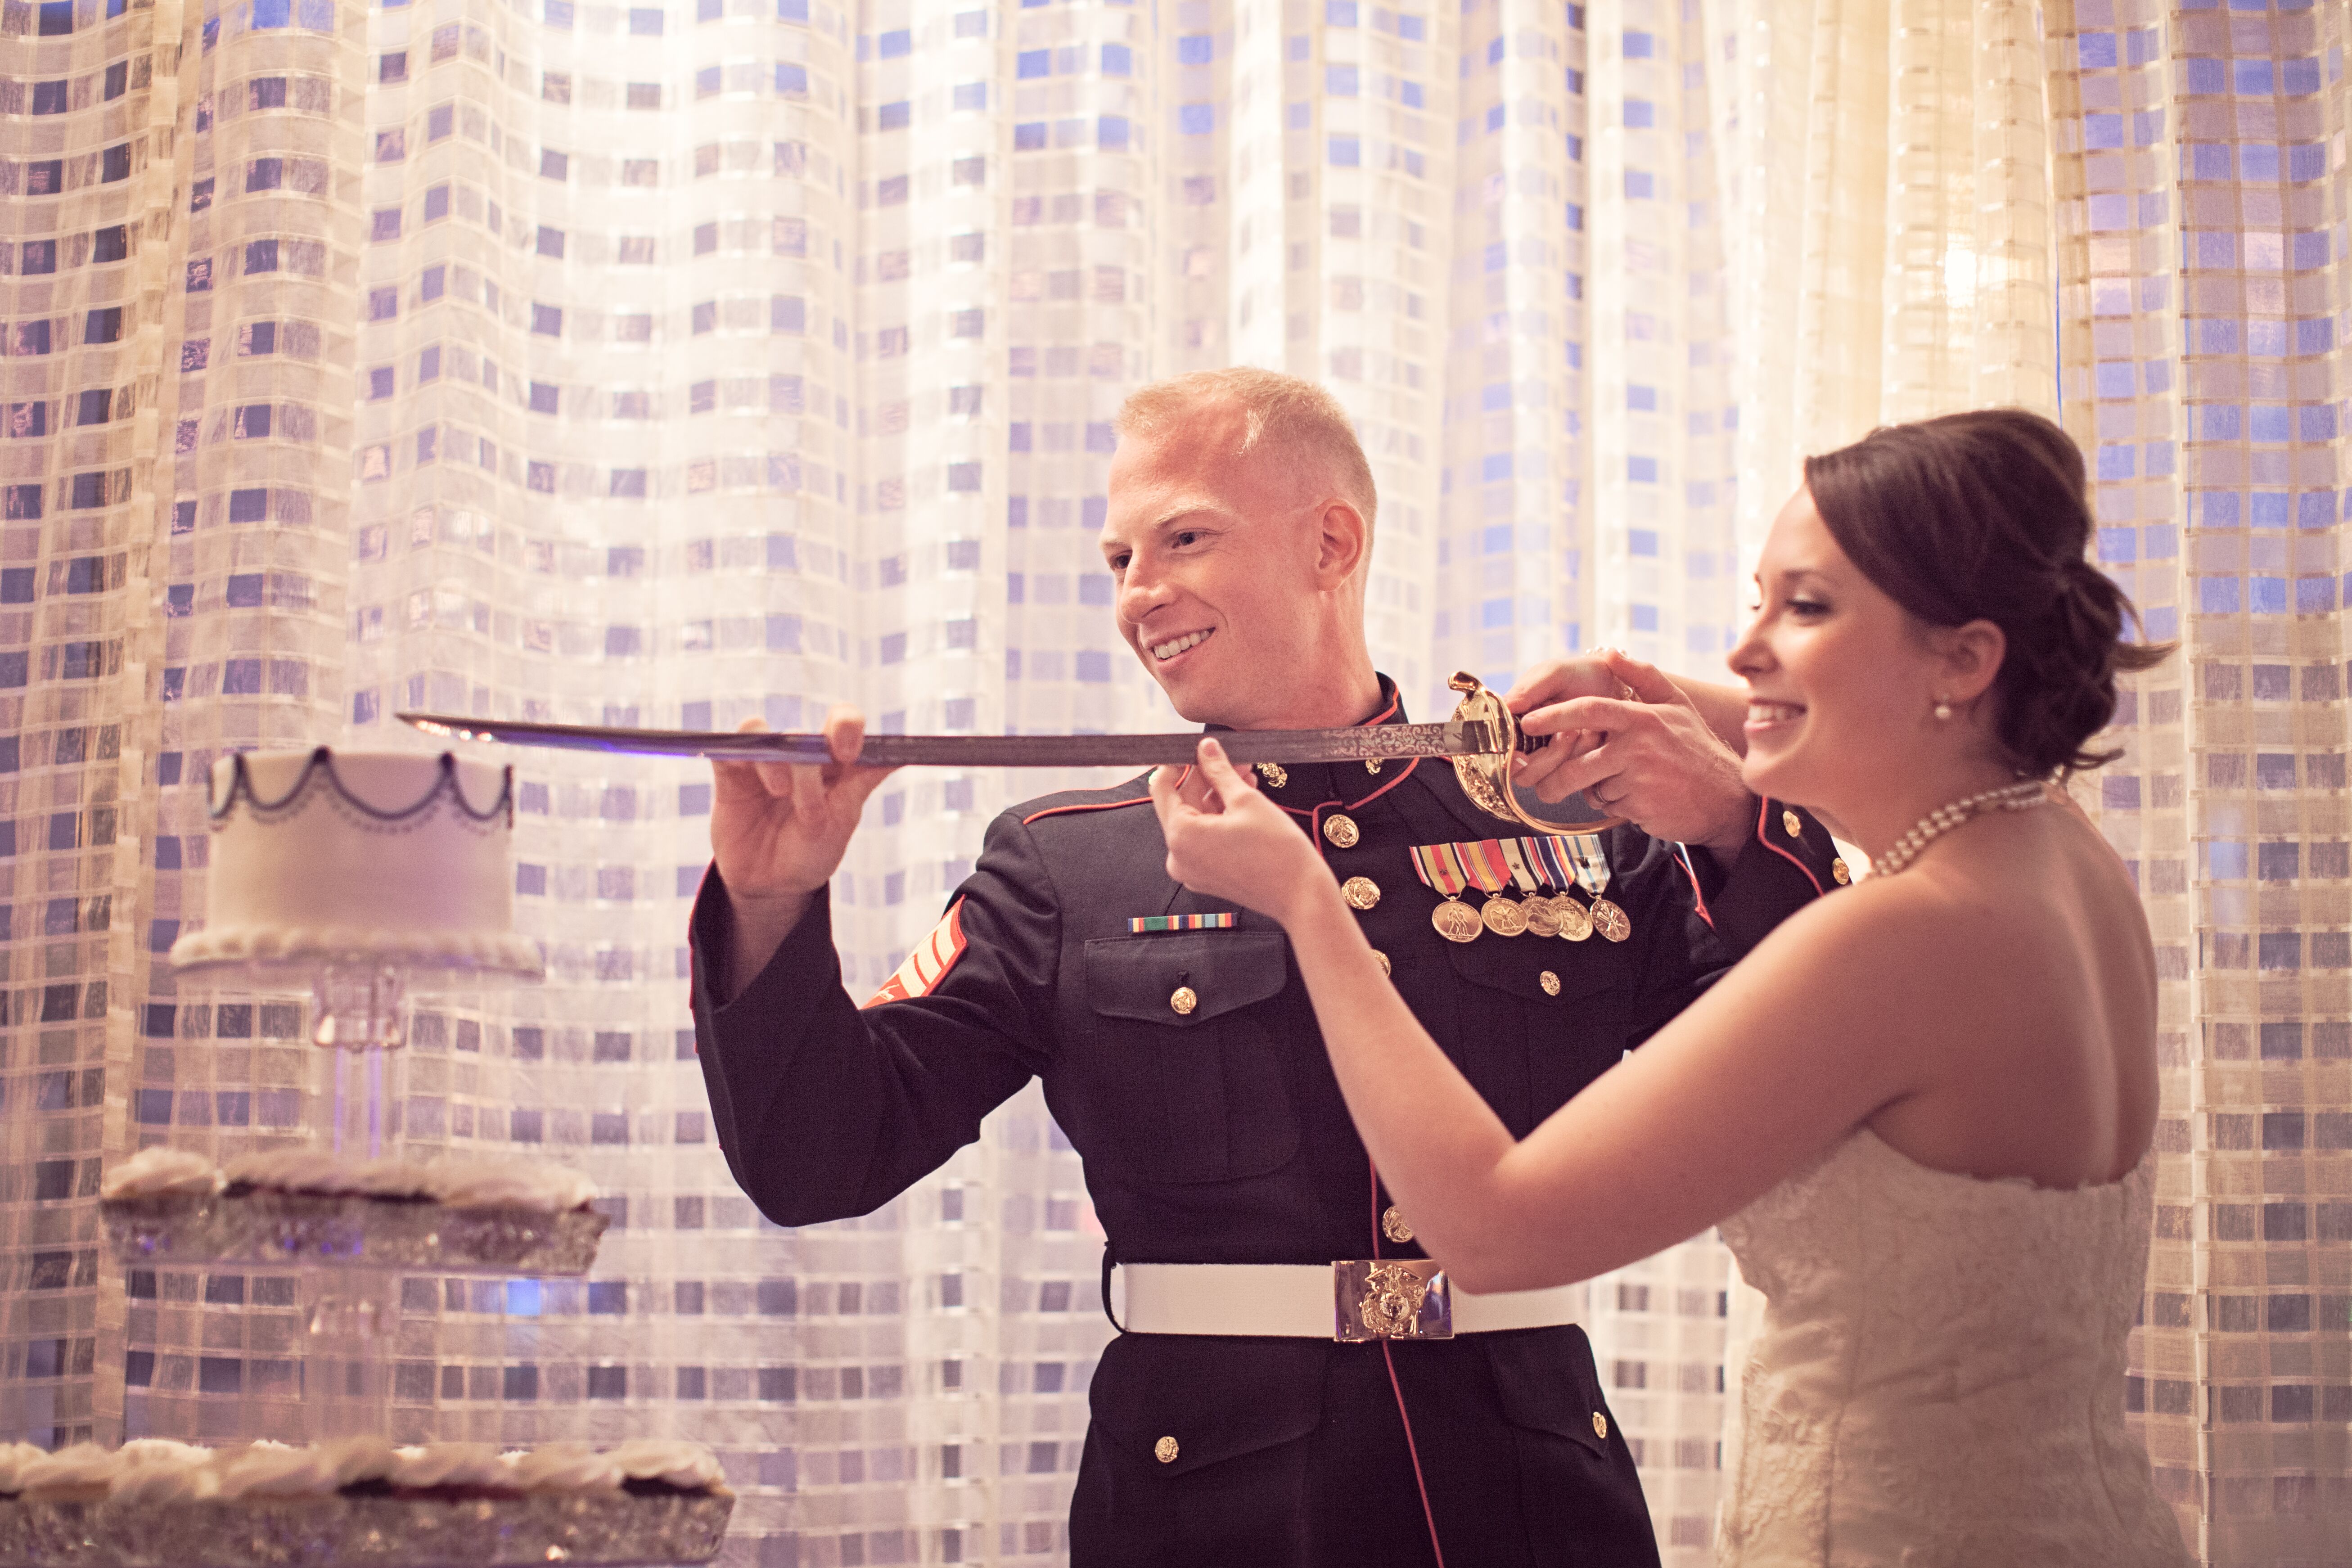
pixel 1219 1136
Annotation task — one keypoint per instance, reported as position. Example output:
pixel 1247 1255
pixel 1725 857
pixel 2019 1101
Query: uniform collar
pixel 1305 788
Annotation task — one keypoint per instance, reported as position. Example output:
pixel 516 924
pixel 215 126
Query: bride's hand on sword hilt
pixel 1644 751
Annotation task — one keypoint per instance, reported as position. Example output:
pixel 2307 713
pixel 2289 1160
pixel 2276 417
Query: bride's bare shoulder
pixel 1887 933
pixel 2005 898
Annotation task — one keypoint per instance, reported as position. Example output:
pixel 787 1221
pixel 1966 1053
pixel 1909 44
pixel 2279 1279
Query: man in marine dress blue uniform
pixel 1181 1058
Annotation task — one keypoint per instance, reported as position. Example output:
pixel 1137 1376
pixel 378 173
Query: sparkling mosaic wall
pixel 2202 254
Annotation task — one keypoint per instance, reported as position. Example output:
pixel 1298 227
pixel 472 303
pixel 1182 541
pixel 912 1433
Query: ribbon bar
pixel 1141 923
pixel 1493 864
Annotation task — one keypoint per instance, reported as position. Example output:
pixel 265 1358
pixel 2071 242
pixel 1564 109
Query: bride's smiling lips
pixel 1769 715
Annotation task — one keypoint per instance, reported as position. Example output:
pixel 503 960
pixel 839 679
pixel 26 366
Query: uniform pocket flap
pixel 1548 1384
pixel 1140 977
pixel 1517 964
pixel 1174 1403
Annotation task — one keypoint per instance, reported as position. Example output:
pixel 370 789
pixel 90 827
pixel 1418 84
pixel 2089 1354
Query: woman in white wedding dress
pixel 1921 1111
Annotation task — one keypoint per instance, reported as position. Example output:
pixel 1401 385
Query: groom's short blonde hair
pixel 1282 415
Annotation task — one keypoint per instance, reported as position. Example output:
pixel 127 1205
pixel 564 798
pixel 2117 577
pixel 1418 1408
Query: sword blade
pixel 1456 737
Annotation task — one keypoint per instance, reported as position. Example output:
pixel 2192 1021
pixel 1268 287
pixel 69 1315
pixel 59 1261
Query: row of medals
pixel 1537 914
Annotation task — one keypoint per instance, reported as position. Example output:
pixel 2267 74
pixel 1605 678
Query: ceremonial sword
pixel 1365 742
pixel 1479 740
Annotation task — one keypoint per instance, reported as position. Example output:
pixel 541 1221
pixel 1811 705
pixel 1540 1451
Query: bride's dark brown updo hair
pixel 1984 516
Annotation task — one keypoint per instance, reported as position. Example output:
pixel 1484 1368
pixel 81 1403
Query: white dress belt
pixel 1297 1300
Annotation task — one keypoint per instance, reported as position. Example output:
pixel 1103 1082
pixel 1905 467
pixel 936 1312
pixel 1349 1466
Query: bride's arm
pixel 1780 1058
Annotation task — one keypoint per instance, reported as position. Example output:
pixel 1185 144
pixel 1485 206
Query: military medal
pixel 1457 922
pixel 1529 866
pixel 1487 867
pixel 1550 856
pixel 1610 921
pixel 1531 911
pixel 1592 863
pixel 1526 874
pixel 1543 919
pixel 1440 871
pixel 1575 925
pixel 1503 916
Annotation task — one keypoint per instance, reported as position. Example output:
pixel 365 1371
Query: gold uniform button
pixel 1371 765
pixel 1164 1450
pixel 1600 1429
pixel 1383 960
pixel 1791 826
pixel 1341 830
pixel 1838 874
pixel 1361 892
pixel 1184 1000
pixel 1272 773
pixel 1392 1226
pixel 1549 982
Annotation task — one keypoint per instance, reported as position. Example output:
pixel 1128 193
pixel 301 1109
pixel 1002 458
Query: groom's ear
pixel 1972 655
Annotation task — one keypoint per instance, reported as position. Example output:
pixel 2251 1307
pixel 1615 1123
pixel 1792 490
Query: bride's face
pixel 1838 677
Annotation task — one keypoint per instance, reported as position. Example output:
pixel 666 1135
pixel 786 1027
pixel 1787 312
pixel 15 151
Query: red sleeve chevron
pixel 929 963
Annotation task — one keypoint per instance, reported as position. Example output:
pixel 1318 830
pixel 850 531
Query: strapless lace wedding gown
pixel 1939 1376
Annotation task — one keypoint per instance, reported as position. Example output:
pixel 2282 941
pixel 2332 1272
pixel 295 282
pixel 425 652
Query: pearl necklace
pixel 2023 796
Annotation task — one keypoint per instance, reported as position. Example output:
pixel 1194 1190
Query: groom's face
pixel 1216 567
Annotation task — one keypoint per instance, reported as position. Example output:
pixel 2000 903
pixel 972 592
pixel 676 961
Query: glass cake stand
pixel 353 1251
pixel 359 1003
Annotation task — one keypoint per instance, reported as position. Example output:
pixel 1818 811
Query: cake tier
pixel 281 1228
pixel 605 1529
pixel 168 1504
pixel 376 856
pixel 486 953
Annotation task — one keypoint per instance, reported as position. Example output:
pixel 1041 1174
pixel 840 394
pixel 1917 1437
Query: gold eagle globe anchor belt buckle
pixel 1394 1299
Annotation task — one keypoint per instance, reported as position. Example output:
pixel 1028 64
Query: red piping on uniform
pixel 1763 811
pixel 1384 789
pixel 1099 805
pixel 1379 717
pixel 1355 804
pixel 1683 856
pixel 1412 1449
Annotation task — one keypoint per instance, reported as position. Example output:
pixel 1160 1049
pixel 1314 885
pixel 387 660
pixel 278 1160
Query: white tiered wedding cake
pixel 360 858
pixel 362 875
